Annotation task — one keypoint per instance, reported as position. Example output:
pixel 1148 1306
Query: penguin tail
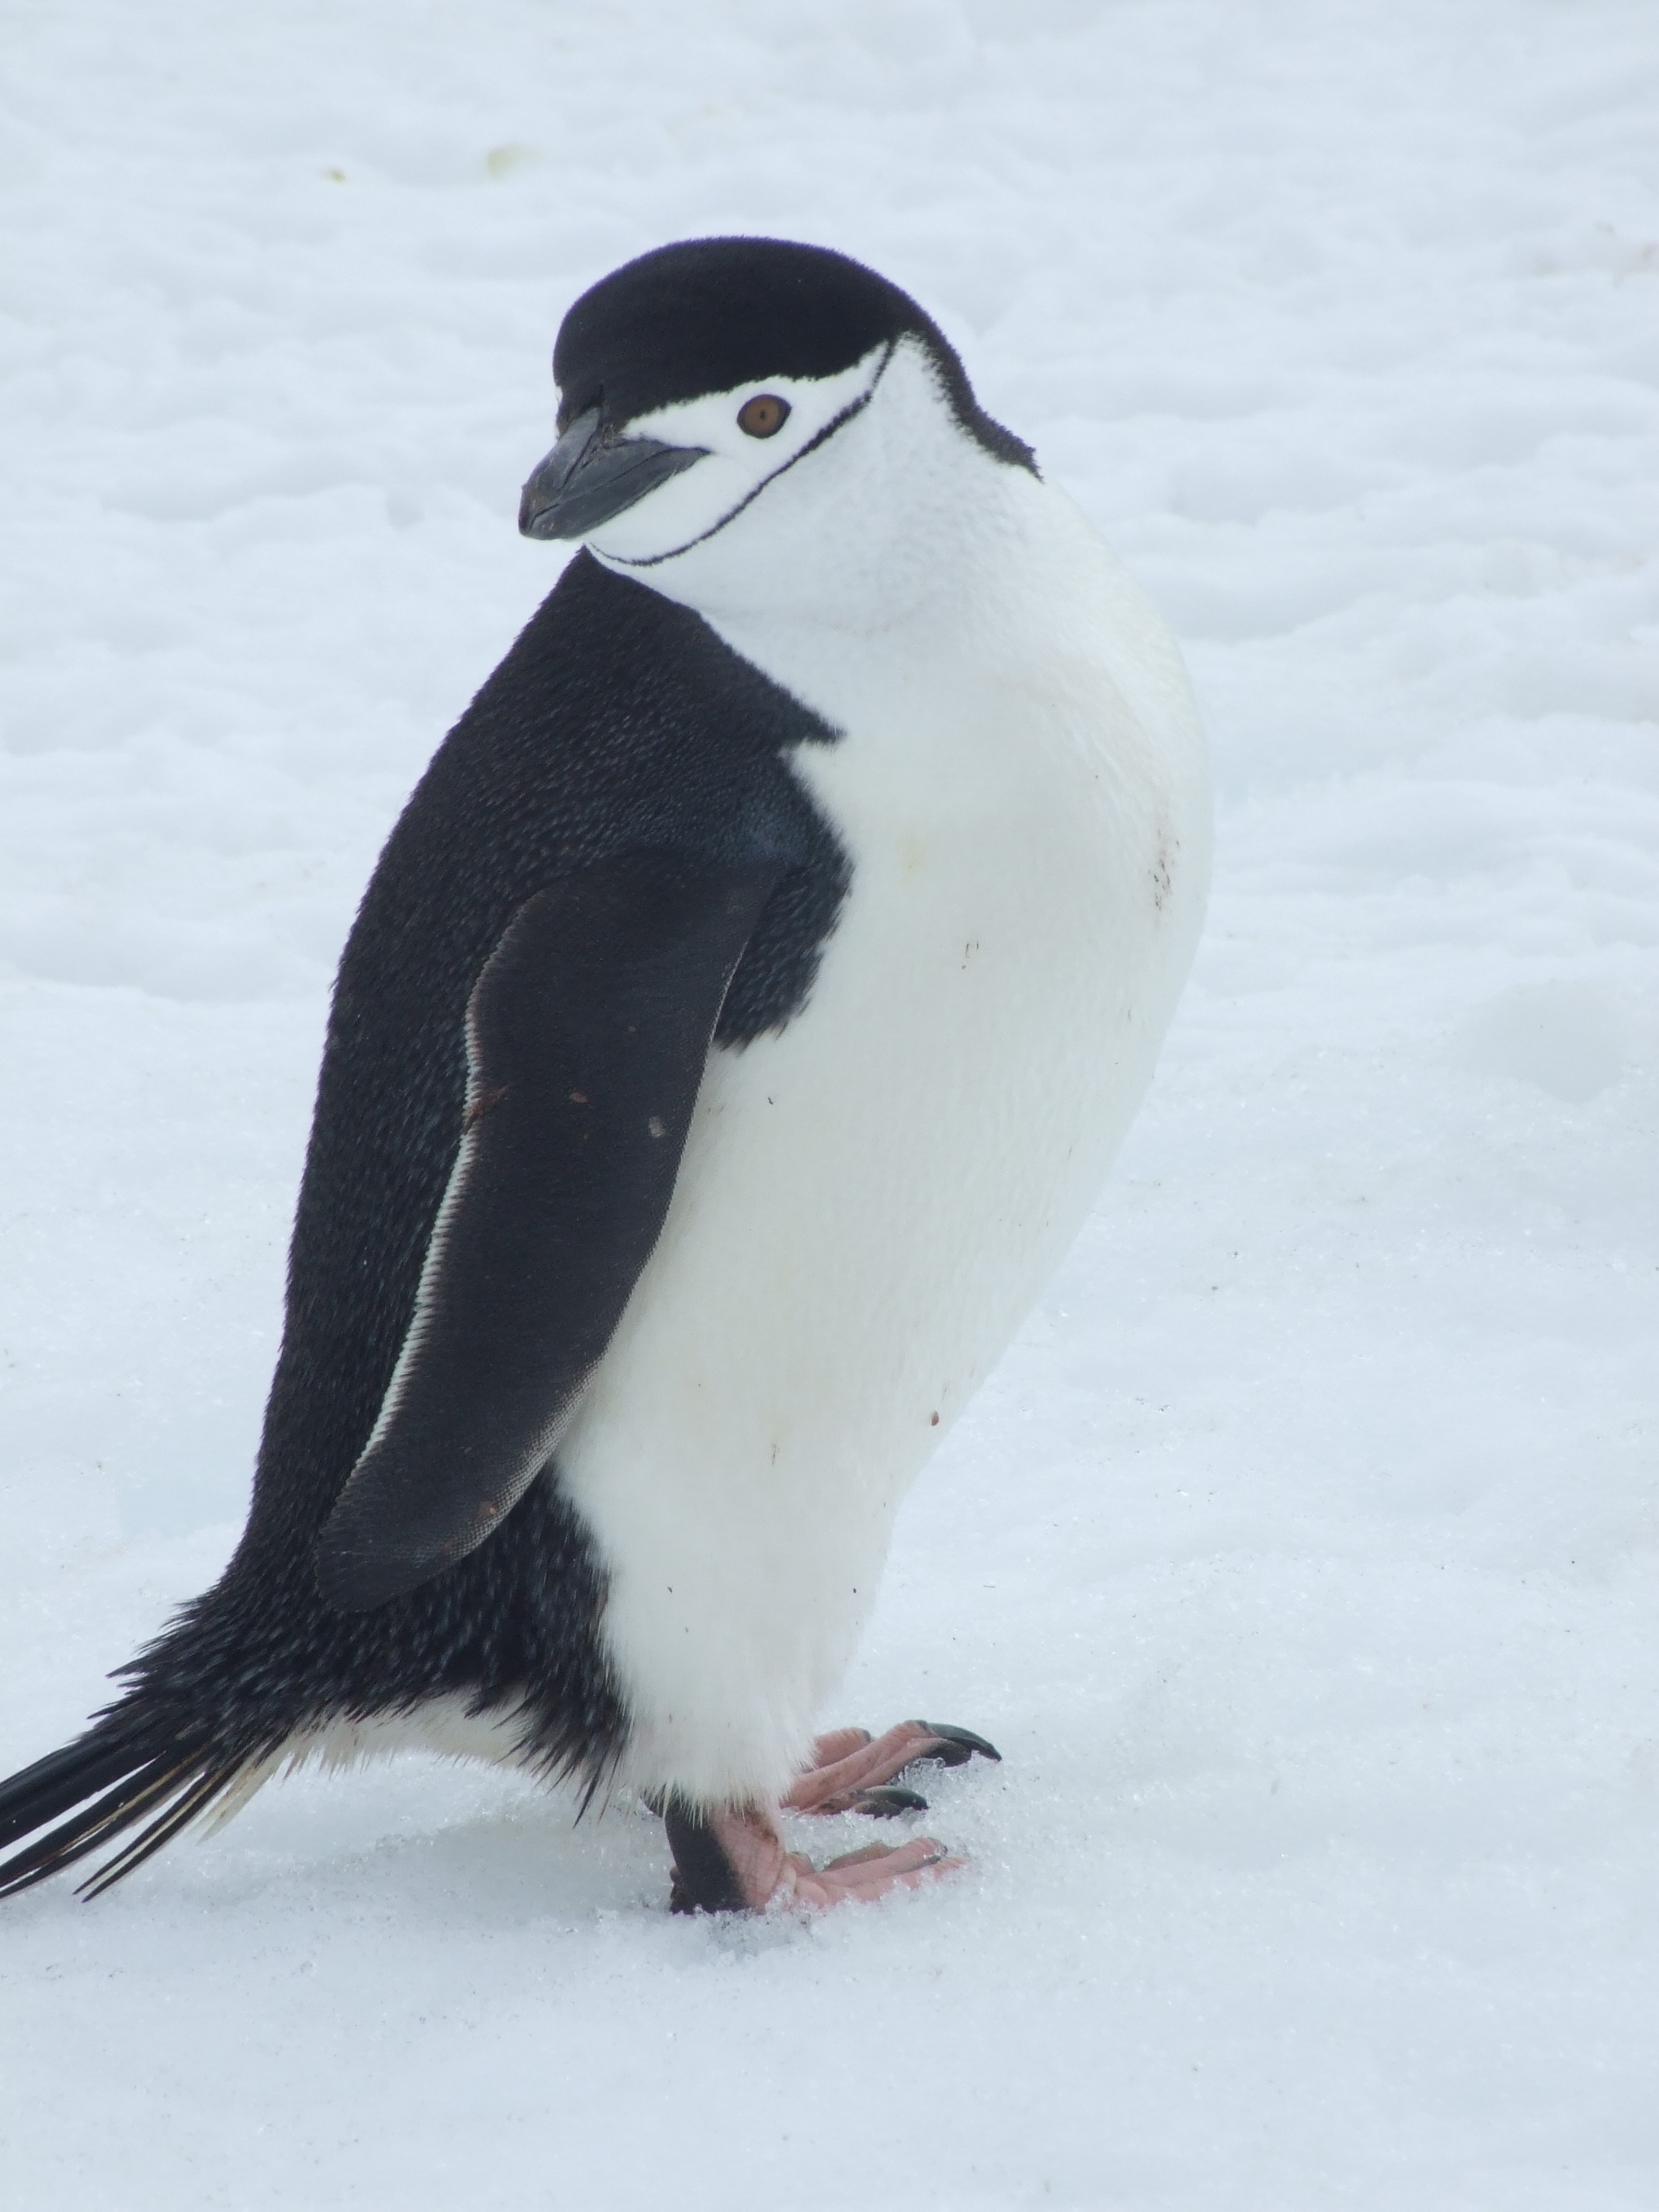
pixel 115 1778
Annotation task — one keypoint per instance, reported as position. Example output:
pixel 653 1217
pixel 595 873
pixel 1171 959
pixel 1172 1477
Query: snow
pixel 1300 1556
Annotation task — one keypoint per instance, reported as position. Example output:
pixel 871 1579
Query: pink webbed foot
pixel 735 1862
pixel 851 1770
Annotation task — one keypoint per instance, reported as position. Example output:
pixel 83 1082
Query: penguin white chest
pixel 871 1198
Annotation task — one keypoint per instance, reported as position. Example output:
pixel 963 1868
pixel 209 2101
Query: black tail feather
pixel 39 1793
pixel 181 1783
pixel 257 1664
pixel 199 1796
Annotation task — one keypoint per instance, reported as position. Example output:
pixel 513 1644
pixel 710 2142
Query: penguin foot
pixel 735 1862
pixel 850 1766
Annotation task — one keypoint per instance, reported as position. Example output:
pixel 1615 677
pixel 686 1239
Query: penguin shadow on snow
pixel 513 1868
pixel 377 1844
pixel 1563 1037
pixel 368 1846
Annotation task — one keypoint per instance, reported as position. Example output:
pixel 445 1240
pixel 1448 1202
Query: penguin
pixel 736 1030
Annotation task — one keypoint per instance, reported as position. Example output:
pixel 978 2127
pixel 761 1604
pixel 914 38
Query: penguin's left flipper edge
pixel 588 1033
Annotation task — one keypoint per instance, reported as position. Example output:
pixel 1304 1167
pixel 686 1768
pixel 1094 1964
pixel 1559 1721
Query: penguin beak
pixel 592 474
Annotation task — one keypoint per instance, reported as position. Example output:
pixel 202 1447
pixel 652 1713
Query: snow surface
pixel 1301 1557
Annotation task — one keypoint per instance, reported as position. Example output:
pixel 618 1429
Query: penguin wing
pixel 588 1033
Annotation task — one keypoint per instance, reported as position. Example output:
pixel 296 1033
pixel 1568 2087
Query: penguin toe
pixel 734 1860
pixel 839 1744
pixel 860 1876
pixel 850 1764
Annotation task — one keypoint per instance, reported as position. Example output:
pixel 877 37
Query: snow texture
pixel 1300 1556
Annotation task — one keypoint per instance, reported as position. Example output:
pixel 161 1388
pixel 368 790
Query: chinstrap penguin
pixel 735 1032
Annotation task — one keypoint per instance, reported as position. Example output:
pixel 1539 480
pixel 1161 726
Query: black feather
pixel 708 314
pixel 39 1793
pixel 617 722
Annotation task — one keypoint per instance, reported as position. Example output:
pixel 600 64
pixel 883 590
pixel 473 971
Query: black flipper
pixel 587 1034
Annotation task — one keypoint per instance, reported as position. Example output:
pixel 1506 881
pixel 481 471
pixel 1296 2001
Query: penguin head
pixel 704 387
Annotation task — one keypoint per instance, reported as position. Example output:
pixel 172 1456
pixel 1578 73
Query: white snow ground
pixel 1301 1557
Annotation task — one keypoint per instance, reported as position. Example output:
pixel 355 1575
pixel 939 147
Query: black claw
pixel 887 1803
pixel 956 1746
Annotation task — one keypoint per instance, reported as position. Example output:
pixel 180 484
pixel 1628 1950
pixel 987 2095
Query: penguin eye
pixel 763 415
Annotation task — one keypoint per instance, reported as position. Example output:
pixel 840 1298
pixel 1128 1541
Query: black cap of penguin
pixel 704 316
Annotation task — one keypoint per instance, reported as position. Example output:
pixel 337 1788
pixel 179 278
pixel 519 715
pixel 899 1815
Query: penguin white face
pixel 745 438
pixel 693 378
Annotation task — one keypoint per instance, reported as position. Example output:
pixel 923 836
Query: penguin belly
pixel 870 1200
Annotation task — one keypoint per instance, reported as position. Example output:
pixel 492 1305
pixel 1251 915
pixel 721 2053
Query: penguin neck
pixel 890 538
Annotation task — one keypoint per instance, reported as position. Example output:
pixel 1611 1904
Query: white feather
pixel 445 1726
pixel 870 1200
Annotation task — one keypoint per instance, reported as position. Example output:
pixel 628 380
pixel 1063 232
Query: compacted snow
pixel 1301 1557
